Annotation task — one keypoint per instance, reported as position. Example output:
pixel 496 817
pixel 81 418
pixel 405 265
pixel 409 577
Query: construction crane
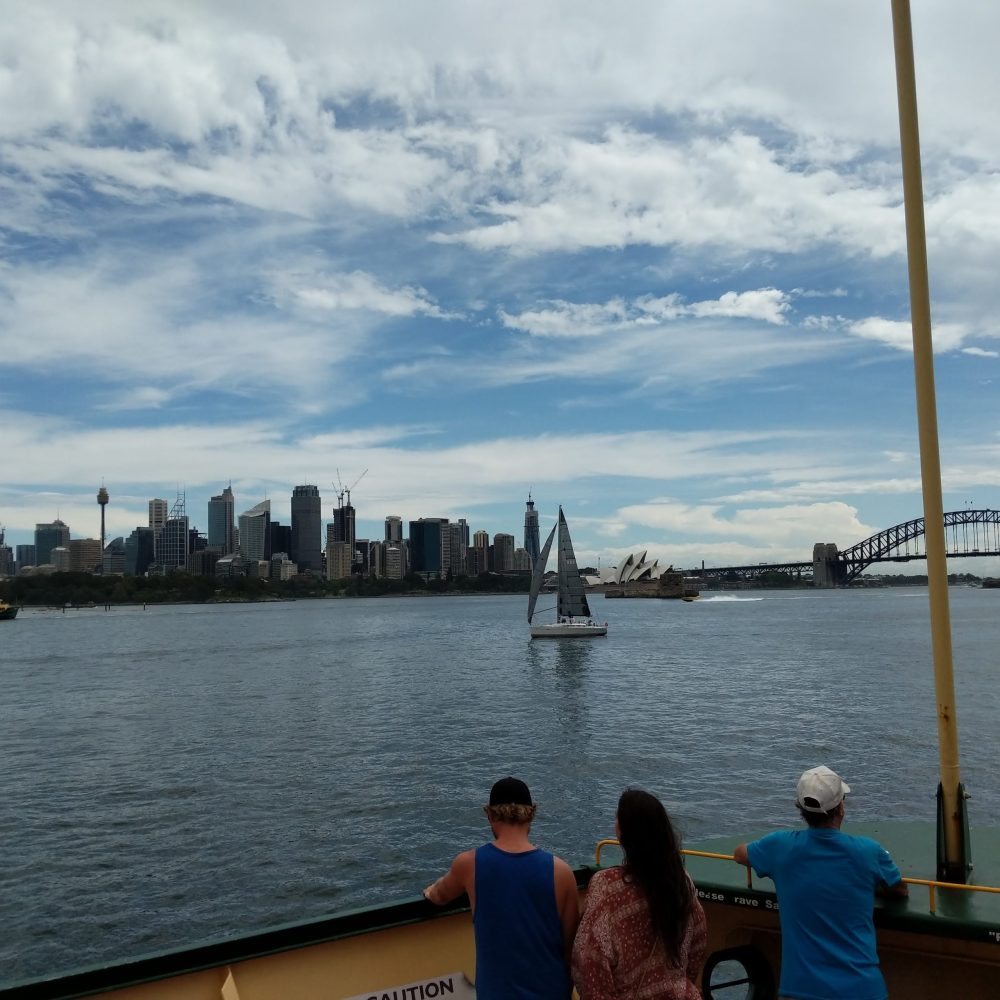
pixel 345 491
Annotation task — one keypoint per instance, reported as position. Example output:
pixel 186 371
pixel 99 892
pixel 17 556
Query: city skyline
pixel 647 264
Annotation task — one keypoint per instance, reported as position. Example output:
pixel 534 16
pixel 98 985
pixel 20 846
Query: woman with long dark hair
pixel 643 929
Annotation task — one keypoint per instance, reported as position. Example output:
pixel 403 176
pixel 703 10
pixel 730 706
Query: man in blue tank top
pixel 525 907
pixel 826 882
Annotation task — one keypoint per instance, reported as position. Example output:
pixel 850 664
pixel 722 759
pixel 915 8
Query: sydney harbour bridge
pixel 968 533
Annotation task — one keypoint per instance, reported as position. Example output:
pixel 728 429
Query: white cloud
pixel 899 335
pixel 979 352
pixel 569 319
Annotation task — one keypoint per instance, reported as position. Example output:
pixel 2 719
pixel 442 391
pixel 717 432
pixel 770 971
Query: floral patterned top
pixel 616 955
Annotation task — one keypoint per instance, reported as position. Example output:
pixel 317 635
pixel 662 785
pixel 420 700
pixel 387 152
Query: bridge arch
pixel 967 533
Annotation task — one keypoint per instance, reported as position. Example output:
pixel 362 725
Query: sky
pixel 644 260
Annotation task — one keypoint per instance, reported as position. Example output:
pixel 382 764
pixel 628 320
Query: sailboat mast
pixel 953 842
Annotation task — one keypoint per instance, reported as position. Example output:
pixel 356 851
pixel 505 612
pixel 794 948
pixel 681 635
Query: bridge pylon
pixel 828 568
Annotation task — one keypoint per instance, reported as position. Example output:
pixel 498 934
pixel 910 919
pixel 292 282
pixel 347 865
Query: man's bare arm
pixel 454 881
pixel 898 891
pixel 567 903
pixel 741 857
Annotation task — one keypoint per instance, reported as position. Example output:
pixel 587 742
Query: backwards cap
pixel 820 790
pixel 510 791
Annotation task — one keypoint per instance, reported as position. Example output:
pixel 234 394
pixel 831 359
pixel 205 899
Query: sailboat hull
pixel 567 630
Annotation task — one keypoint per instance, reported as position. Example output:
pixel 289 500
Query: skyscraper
pixel 503 552
pixel 307 528
pixel 172 539
pixel 221 521
pixel 49 537
pixel 343 525
pixel 393 528
pixel 158 512
pixel 255 532
pixel 531 540
pixel 427 541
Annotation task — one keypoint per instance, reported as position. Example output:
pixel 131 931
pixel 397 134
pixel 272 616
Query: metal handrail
pixel 932 884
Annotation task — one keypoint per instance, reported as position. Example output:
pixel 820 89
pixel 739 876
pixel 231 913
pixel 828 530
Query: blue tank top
pixel 519 944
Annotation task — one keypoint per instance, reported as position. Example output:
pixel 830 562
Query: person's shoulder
pixel 866 845
pixel 778 838
pixel 605 881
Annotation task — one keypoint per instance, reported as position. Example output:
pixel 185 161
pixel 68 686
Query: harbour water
pixel 179 774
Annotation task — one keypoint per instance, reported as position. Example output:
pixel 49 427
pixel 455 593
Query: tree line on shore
pixel 84 589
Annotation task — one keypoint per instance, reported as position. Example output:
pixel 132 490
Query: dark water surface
pixel 188 773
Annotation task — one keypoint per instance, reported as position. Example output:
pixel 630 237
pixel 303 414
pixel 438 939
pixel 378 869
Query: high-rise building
pixel 114 557
pixel 531 540
pixel 395 562
pixel 393 528
pixel 221 521
pixel 339 556
pixel 481 546
pixel 307 528
pixel 48 537
pixel 139 551
pixel 281 539
pixel 159 511
pixel 255 532
pixel 503 552
pixel 60 558
pixel 86 555
pixel 428 538
pixel 343 524
pixel 457 536
pixel 172 541
pixel 6 556
pixel 522 561
pixel 25 555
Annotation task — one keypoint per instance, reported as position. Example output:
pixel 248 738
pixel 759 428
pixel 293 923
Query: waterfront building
pixel 280 539
pixel 228 567
pixel 221 521
pixel 60 559
pixel 85 555
pixel 139 551
pixel 47 537
pixel 361 563
pixel 24 555
pixel 282 568
pixel 255 532
pixel 171 544
pixel 503 552
pixel 7 567
pixel 477 561
pixel 427 542
pixel 344 524
pixel 393 528
pixel 395 563
pixel 522 561
pixel 202 562
pixel 114 557
pixel 307 529
pixel 376 558
pixel 532 544
pixel 339 556
pixel 457 536
pixel 159 511
pixel 481 545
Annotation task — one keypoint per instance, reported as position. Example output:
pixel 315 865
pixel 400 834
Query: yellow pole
pixel 955 855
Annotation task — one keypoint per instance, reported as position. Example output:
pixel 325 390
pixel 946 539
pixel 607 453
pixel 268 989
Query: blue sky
pixel 643 260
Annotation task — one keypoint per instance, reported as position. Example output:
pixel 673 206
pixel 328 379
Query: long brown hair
pixel 653 862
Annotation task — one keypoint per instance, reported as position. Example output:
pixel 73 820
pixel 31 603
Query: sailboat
pixel 573 617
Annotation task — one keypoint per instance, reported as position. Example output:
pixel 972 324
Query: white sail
pixel 538 576
pixel 572 599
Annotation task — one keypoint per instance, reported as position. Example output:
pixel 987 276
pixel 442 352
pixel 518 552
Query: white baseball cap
pixel 820 790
